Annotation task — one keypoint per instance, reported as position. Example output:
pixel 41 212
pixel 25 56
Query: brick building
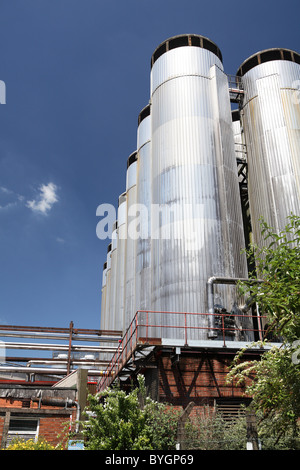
pixel 30 411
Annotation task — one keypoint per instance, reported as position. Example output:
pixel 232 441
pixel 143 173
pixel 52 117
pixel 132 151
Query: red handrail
pixel 131 337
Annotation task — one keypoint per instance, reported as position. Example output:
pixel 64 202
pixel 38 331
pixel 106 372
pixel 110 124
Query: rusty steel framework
pixel 235 86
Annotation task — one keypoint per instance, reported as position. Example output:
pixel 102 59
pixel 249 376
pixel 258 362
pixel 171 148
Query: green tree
pixel 121 421
pixel 275 378
pixel 277 264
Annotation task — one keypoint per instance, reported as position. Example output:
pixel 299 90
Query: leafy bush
pixel 31 444
pixel 120 421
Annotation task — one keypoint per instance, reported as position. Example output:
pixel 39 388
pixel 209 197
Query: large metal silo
pixel 143 199
pixel 131 176
pixel 108 289
pixel 198 232
pixel 113 278
pixel 120 275
pixel 270 115
pixel 103 296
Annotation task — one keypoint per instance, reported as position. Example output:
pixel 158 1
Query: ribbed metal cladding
pixel 121 254
pixel 199 232
pixel 108 289
pixel 143 199
pixel 111 324
pixel 103 296
pixel 130 257
pixel 271 121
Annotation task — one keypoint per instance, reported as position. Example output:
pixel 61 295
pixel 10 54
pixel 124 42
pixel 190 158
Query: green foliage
pixel 30 444
pixel 278 266
pixel 274 388
pixel 120 421
pixel 275 378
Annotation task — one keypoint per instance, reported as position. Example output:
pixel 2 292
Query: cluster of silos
pixel 180 220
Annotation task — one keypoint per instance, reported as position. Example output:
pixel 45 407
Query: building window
pixel 22 428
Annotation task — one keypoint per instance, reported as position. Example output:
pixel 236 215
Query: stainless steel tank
pixel 143 200
pixel 113 278
pixel 270 116
pixel 120 275
pixel 143 241
pixel 103 296
pixel 129 289
pixel 108 289
pixel 198 232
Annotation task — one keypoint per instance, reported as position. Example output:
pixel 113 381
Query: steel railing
pixel 150 328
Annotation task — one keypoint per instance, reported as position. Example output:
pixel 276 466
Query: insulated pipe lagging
pixel 211 310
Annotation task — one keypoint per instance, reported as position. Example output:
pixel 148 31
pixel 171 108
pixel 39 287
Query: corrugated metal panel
pixel 291 106
pixel 288 74
pixel 271 120
pixel 180 62
pixel 120 279
pixel 108 286
pixel 143 242
pixel 130 257
pixel 103 297
pixel 113 279
pixel 194 181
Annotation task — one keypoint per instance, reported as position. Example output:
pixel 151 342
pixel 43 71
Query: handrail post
pixel 223 328
pixel 185 329
pixel 147 322
pixel 137 327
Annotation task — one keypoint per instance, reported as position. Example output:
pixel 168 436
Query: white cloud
pixel 9 198
pixel 46 199
pixel 5 190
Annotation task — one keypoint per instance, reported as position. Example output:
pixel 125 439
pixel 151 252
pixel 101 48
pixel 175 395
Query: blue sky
pixel 77 74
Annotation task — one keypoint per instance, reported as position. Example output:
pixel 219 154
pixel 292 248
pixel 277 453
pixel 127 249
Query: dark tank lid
pixel 144 113
pixel 132 159
pixel 267 55
pixel 185 40
pixel 122 198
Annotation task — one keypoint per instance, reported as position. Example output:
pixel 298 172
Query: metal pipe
pixel 59 337
pixel 211 310
pixel 47 370
pixel 58 347
pixel 54 401
pixel 210 297
pixel 64 361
